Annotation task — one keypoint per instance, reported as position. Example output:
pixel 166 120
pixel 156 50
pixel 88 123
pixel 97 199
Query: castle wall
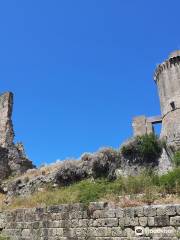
pixel 142 126
pixel 98 221
pixel 167 77
pixel 171 128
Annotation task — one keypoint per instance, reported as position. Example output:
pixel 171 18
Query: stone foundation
pixel 98 221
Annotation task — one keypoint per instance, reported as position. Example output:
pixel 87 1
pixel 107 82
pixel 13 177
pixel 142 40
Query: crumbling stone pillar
pixel 13 159
pixel 142 126
pixel 6 126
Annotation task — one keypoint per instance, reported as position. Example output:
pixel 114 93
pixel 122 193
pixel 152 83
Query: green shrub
pixel 146 148
pixel 170 182
pixel 176 159
pixel 2 237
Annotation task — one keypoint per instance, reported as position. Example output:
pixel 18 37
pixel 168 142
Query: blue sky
pixel 80 70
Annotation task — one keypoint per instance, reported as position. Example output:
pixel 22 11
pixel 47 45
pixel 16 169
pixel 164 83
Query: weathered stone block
pixel 161 221
pixel 130 221
pixel 143 221
pixel 104 214
pixel 139 211
pixel 149 211
pixel 129 212
pixel 175 221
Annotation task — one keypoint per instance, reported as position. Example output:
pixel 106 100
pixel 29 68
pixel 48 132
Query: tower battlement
pixel 174 59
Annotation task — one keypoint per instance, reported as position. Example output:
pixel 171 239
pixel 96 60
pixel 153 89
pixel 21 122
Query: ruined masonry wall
pixel 99 221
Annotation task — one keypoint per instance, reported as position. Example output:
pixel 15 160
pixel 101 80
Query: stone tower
pixel 167 78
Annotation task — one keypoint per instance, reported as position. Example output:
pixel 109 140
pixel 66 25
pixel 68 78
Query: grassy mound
pixel 149 186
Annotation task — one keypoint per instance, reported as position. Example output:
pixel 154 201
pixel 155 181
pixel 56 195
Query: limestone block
pixel 168 210
pixel 143 221
pixel 175 221
pixel 104 214
pixel 130 221
pixel 119 213
pixel 161 221
pixel 139 211
pixel 150 211
pixel 116 232
pixel 129 212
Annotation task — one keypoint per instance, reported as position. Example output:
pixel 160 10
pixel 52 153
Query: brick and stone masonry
pixel 98 221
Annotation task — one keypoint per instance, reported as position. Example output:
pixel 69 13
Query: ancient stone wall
pixel 98 221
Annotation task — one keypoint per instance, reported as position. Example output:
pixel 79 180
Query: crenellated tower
pixel 167 78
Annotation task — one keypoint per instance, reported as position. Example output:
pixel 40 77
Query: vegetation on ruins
pixel 2 237
pixel 145 148
pixel 93 178
pixel 176 159
pixel 146 188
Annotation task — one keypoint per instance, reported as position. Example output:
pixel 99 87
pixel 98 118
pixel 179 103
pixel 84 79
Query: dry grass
pixel 43 170
pixel 47 198
pixel 2 199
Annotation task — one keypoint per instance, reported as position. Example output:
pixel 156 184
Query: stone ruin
pixel 111 162
pixel 167 78
pixel 13 159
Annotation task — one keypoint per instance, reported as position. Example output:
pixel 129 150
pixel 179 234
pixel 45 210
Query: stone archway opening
pixel 145 125
pixel 157 128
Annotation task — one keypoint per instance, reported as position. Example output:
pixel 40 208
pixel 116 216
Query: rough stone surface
pixel 6 126
pixel 98 221
pixel 167 77
pixel 12 156
pixel 142 126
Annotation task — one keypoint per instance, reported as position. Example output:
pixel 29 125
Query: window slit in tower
pixel 173 105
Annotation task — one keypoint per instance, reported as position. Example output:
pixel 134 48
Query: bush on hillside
pixel 105 162
pixel 146 148
pixel 176 159
pixel 170 182
pixel 2 237
pixel 98 165
pixel 70 172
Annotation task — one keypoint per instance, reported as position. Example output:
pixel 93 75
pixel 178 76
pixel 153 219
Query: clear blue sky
pixel 81 69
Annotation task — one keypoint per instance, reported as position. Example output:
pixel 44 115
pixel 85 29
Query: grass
pixel 134 190
pixel 2 237
pixel 176 159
